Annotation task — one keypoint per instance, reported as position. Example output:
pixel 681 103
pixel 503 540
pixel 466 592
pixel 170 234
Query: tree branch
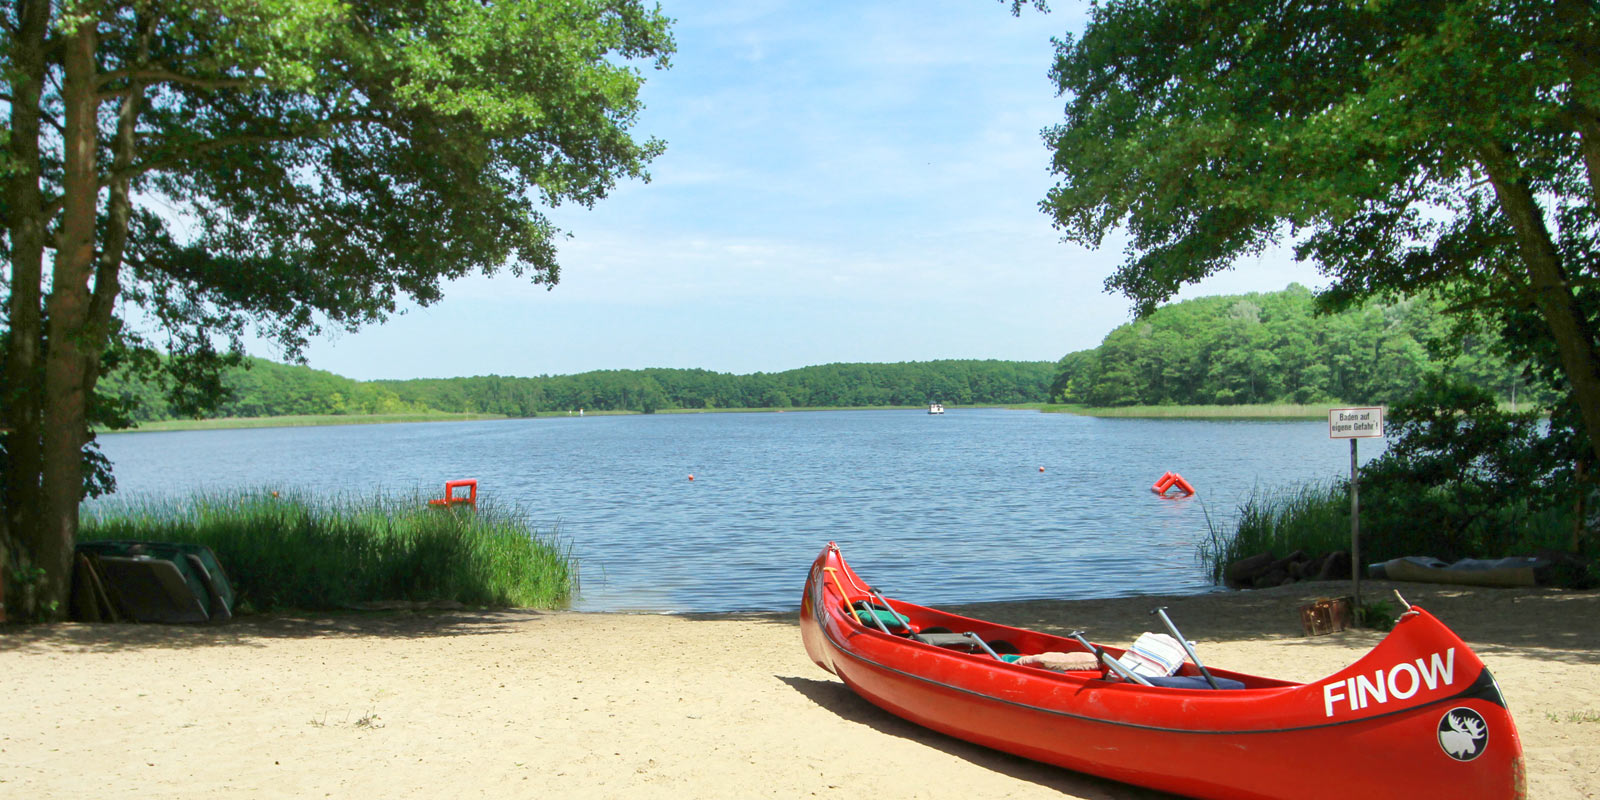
pixel 1589 143
pixel 319 130
pixel 158 74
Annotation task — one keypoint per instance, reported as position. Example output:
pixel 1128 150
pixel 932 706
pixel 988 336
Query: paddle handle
pixel 1187 648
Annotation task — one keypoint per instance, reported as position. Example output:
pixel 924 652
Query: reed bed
pixel 1315 518
pixel 294 551
pixel 1258 411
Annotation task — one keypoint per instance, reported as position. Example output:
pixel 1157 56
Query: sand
pixel 432 704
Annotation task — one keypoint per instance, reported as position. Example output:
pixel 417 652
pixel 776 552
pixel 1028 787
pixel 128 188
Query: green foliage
pixel 1275 348
pixel 261 388
pixel 376 150
pixel 1472 477
pixel 175 174
pixel 1461 478
pixel 1443 148
pixel 265 389
pixel 297 552
pixel 828 386
pixel 25 581
pixel 1376 615
pixel 1212 130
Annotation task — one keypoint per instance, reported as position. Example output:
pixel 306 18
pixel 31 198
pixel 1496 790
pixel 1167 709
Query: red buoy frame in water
pixel 451 498
pixel 1170 479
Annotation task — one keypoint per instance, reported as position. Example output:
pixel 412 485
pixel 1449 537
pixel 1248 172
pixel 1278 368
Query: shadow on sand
pixel 837 698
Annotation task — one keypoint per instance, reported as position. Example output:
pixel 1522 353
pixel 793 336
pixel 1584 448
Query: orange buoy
pixel 691 476
pixel 1170 479
pixel 1041 469
pixel 1163 483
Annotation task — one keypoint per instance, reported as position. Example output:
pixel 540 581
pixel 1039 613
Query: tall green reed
pixel 294 551
pixel 1313 517
pixel 1316 518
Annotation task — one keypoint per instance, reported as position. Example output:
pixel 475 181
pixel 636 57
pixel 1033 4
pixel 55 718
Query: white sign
pixel 1355 423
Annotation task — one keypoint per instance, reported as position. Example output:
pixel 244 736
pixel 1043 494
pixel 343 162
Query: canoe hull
pixel 1273 739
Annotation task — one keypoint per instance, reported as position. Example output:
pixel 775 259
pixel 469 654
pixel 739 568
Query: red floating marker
pixel 691 476
pixel 1170 479
pixel 450 498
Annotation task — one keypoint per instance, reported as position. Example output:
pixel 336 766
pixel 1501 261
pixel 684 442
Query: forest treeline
pixel 957 382
pixel 1271 348
pixel 268 389
pixel 1255 348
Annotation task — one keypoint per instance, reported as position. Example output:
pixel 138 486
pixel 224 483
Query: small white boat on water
pixel 936 408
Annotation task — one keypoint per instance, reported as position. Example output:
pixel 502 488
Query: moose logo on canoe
pixel 1463 733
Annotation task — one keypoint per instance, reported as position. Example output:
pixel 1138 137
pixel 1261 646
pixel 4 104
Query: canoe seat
pixel 956 640
pixel 940 637
pixel 1191 682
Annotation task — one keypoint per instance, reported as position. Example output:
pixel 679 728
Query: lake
pixel 972 505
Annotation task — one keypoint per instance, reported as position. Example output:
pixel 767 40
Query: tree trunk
pixel 65 389
pixel 1552 292
pixel 25 226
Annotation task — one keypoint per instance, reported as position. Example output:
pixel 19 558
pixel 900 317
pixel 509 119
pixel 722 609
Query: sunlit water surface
pixel 971 505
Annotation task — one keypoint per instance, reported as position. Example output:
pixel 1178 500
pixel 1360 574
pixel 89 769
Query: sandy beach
pixel 441 704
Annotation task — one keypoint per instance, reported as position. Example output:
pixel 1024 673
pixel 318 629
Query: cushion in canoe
pixel 1059 662
pixel 864 614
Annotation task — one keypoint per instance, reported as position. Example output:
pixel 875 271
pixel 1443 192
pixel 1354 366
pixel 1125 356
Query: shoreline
pixel 1250 412
pixel 589 705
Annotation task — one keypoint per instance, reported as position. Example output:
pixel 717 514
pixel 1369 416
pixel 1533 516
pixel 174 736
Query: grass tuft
pixel 294 551
pixel 1316 518
pixel 1313 517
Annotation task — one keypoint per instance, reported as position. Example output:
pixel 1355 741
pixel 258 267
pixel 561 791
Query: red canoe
pixel 1418 716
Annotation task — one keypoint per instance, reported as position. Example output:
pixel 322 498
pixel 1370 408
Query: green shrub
pixel 1316 518
pixel 292 551
pixel 1461 478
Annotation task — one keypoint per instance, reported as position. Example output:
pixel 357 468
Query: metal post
pixel 1355 534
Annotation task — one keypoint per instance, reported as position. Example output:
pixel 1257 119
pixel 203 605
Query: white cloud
pixel 843 182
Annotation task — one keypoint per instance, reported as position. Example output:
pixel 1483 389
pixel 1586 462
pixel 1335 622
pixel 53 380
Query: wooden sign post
pixel 1354 424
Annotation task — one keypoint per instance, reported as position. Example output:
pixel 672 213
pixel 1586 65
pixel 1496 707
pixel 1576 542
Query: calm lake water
pixel 973 505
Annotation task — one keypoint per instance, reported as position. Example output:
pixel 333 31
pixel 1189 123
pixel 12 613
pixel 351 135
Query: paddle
pixel 1173 629
pixel 873 593
pixel 844 598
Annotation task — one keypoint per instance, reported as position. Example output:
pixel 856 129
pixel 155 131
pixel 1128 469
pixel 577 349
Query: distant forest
pixel 1271 348
pixel 267 389
pixel 1254 348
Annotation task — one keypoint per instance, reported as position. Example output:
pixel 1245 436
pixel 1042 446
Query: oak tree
pixel 176 172
pixel 1442 146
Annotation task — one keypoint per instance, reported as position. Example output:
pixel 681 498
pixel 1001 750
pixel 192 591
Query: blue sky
pixel 843 182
